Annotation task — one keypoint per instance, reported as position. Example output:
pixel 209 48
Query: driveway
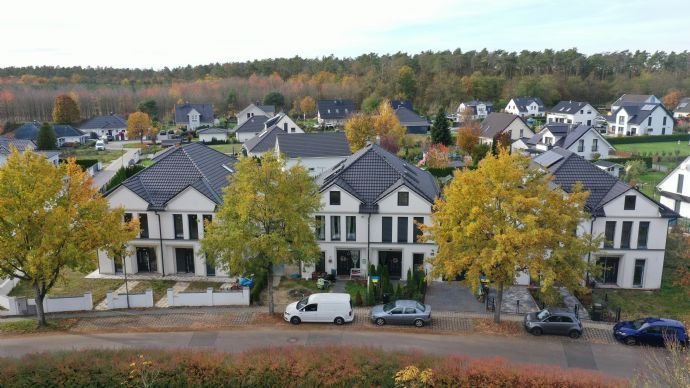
pixel 104 176
pixel 452 296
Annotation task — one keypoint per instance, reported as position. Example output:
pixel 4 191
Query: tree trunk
pixel 497 303
pixel 39 306
pixel 269 282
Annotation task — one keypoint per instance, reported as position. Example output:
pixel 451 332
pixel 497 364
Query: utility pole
pixel 124 269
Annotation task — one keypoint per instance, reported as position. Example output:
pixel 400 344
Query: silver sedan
pixel 401 312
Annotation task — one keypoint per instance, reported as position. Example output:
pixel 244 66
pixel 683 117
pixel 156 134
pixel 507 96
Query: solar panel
pixel 683 105
pixel 648 107
pixel 547 159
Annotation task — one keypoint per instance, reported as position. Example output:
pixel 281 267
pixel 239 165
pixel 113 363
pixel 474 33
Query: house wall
pixel 588 153
pixel 137 300
pixel 205 138
pixel 242 137
pixel 656 128
pixel 670 184
pixel 250 111
pixel 586 116
pixel 315 166
pixel 289 126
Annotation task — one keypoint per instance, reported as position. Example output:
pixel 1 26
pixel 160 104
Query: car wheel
pixel 537 331
pixel 630 341
pixel 380 321
pixel 295 320
pixel 339 321
pixel 574 334
pixel 419 323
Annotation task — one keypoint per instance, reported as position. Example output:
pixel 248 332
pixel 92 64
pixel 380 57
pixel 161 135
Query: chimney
pixel 378 140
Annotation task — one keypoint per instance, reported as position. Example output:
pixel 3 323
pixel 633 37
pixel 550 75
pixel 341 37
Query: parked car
pixel 650 331
pixel 553 321
pixel 331 307
pixel 401 312
pixel 100 145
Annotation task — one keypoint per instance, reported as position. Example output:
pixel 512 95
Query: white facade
pixel 590 145
pixel 532 109
pixel 251 111
pixel 242 137
pixel 208 137
pixel 517 129
pixel 194 119
pixel 674 190
pixel 585 115
pixel 480 114
pixel 288 125
pixel 659 122
pixel 315 165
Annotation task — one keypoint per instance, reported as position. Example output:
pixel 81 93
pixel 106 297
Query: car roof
pixel 406 303
pixel 329 297
pixel 663 322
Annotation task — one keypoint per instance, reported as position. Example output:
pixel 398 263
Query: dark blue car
pixel 650 331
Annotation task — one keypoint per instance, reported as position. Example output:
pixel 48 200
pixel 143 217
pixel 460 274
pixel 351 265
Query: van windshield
pixel 302 303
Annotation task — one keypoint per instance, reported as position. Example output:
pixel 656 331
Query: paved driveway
pixel 452 296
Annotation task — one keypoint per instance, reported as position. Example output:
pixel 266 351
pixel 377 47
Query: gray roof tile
pixel 311 145
pixel 29 131
pixel 568 107
pixel 205 110
pixel 335 109
pixel 408 118
pixel 104 122
pixel 252 125
pixel 495 123
pixel 264 141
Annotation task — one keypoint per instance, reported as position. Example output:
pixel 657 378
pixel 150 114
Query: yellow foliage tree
pixel 139 125
pixel 387 125
pixel 503 218
pixel 359 129
pixel 363 128
pixel 308 106
pixel 65 110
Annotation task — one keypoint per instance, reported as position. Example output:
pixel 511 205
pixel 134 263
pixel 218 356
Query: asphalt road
pixel 614 360
pixel 103 177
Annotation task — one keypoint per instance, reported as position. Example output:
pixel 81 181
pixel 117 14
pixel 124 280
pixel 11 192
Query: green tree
pixel 407 83
pixel 46 140
pixel 371 103
pixel 52 218
pixel 275 98
pixel 65 110
pixel 633 170
pixel 503 218
pixel 266 219
pixel 150 107
pixel 440 130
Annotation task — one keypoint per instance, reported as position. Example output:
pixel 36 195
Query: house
pixel 474 110
pixel 284 122
pixel 250 128
pixel 635 119
pixel 497 123
pixel 572 112
pixel 107 125
pixel 525 106
pixel 263 142
pixel 333 113
pixel 255 109
pixel 634 99
pixel 615 169
pixel 6 145
pixel 372 204
pixel 317 152
pixel 412 122
pixel 66 134
pixel 682 111
pixel 673 191
pixel 193 116
pixel 212 134
pixel 172 199
pixel 581 139
pixel 395 104
pixel 634 226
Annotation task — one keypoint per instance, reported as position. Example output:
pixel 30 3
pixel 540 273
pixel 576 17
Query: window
pixel 397 311
pixel 679 188
pixel 387 229
pixel 595 145
pixel 566 319
pixel 416 231
pixel 621 120
pixel 207 218
pixel 403 198
pixel 664 121
pixel 335 228
pixel 311 307
pixel 410 310
pixel 642 233
pixel 629 202
pixel 402 229
pixel 625 236
pixel 609 234
pixel 335 197
pixel 418 262
pixel 143 225
pixel 128 218
pixel 649 120
pixel 320 228
pixel 522 132
pixel 581 145
pixel 351 228
pixel 193 226
pixel 177 223
pixel 609 269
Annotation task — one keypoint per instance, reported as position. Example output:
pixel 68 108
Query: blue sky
pixel 140 33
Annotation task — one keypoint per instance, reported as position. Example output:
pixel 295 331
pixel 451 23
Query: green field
pixel 649 180
pixel 104 157
pixel 669 147
pixel 227 148
pixel 72 283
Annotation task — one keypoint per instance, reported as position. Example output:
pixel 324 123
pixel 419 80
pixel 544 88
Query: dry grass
pixel 506 328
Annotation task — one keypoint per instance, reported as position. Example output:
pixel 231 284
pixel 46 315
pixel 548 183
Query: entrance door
pixel 609 269
pixel 347 260
pixel 184 258
pixel 146 260
pixel 393 261
pixel 321 264
pixel 118 265
pixel 210 269
pixel 638 275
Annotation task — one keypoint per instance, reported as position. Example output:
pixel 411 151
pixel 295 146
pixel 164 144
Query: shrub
pixel 122 174
pixel 358 299
pixel 260 282
pixel 86 163
pixel 647 139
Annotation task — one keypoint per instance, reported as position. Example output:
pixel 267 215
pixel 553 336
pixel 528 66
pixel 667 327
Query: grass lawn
pixel 227 148
pixel 145 162
pixel 27 326
pixel 669 302
pixel 73 283
pixel 649 180
pixel 159 287
pixel 105 157
pixel 668 147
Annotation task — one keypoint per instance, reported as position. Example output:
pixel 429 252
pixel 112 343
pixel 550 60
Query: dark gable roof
pixel 637 112
pixel 29 131
pixel 105 122
pixel 205 110
pixel 212 131
pixel 313 145
pixel 683 106
pixel 633 98
pixel 495 123
pixel 568 107
pixel 335 109
pixel 372 173
pixel 267 108
pixel 410 119
pixel 522 102
pixel 252 125
pixel 474 103
pixel 264 141
pixel 569 168
pixel 21 145
pixel 191 165
pixel 395 104
pixel 575 134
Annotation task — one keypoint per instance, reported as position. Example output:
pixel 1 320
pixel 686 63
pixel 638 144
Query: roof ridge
pixel 184 149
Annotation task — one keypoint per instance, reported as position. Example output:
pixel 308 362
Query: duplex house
pixel 66 134
pixel 372 204
pixel 525 106
pixel 255 109
pixel 6 145
pixel 333 113
pixel 474 110
pixel 682 111
pixel 173 199
pixel 581 139
pixel 412 122
pixel 572 112
pixel 107 125
pixel 634 226
pixel 193 116
pixel 673 191
pixel 497 123
pixel 250 128
pixel 317 152
pixel 635 119
pixel 634 99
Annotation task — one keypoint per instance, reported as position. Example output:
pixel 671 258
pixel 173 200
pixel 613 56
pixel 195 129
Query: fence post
pixel 618 314
pixel 518 306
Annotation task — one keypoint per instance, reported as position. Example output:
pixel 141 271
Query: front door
pixel 118 265
pixel 146 260
pixel 393 261
pixel 184 258
pixel 609 269
pixel 347 260
pixel 638 275
pixel 321 264
pixel 210 269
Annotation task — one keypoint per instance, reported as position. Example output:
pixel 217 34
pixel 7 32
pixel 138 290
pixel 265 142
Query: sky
pixel 172 33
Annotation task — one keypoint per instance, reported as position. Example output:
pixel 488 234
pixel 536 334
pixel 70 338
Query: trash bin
pixel 597 312
pixel 386 298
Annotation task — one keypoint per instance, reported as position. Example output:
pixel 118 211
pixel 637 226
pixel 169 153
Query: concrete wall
pixel 55 305
pixel 209 298
pixel 138 300
pixel 6 285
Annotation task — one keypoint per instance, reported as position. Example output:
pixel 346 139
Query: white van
pixel 332 307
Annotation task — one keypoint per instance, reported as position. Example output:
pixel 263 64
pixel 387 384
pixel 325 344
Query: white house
pixel 634 119
pixel 582 140
pixel 255 109
pixel 250 128
pixel 6 145
pixel 682 111
pixel 633 225
pixel 317 152
pixel 110 125
pixel 614 169
pixel 207 135
pixel 333 113
pixel 284 122
pixel 172 199
pixel 478 110
pixel 193 116
pixel 673 191
pixel 572 112
pixel 66 134
pixel 497 123
pixel 634 99
pixel 525 106
pixel 371 206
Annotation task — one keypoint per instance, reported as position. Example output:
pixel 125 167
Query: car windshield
pixel 543 314
pixel 389 306
pixel 420 307
pixel 302 303
pixel 637 324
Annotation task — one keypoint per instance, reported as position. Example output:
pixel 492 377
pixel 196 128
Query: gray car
pixel 553 321
pixel 402 312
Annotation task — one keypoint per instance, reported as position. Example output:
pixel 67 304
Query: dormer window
pixel 630 202
pixel 403 198
pixel 334 197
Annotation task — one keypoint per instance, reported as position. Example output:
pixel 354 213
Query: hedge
pixel 647 139
pixel 441 172
pixel 280 367
pixel 86 163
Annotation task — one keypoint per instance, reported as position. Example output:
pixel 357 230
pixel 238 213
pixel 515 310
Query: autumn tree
pixel 440 130
pixel 359 129
pixel 46 139
pixel 149 106
pixel 388 128
pixel 468 136
pixel 276 99
pixel 407 83
pixel 51 218
pixel 672 99
pixel 139 125
pixel 65 110
pixel 504 218
pixel 266 219
pixel 502 140
pixel 437 156
pixel 308 106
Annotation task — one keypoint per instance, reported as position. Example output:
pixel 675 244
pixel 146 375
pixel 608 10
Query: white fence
pixel 26 306
pixel 119 301
pixel 209 298
pixel 6 285
pixel 95 168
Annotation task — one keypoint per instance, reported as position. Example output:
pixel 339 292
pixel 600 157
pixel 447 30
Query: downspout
pixel 589 254
pixel 368 241
pixel 160 240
